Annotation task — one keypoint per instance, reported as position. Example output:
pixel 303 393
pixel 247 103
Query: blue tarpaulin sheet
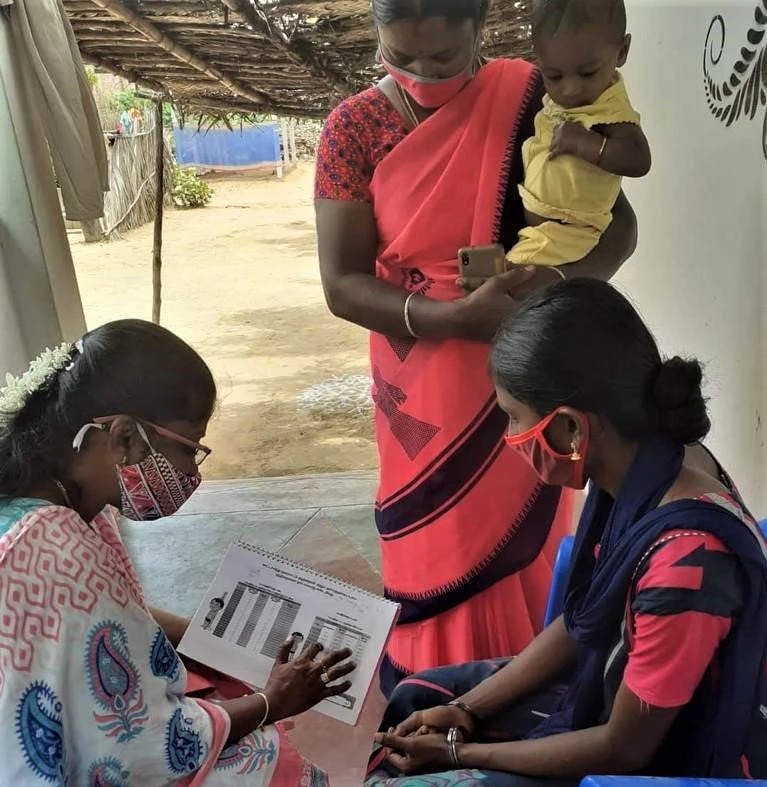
pixel 250 147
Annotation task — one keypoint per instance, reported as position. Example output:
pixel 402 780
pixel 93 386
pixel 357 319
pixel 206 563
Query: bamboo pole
pixel 285 168
pixel 158 216
pixel 292 138
pixel 119 11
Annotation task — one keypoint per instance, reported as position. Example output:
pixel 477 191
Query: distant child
pixel 587 136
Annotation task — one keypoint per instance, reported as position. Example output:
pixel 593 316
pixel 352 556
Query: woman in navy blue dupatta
pixel 657 665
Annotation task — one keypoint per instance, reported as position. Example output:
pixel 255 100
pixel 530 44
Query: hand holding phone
pixel 479 263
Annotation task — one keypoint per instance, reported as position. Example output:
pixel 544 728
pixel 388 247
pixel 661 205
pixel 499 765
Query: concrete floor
pixel 325 522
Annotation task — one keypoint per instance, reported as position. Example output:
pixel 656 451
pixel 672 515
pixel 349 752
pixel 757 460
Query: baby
pixel 587 136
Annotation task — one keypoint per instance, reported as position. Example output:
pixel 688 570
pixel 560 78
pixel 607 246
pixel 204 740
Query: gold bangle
pixel 601 151
pixel 263 696
pixel 406 315
pixel 558 272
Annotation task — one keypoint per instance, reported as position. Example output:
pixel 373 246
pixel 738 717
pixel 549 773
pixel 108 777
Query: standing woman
pixel 409 172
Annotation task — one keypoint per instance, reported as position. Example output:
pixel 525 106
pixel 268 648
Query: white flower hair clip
pixel 17 390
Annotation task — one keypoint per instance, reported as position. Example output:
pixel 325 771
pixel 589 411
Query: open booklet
pixel 258 600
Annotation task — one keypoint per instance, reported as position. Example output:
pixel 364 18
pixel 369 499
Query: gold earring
pixel 575 456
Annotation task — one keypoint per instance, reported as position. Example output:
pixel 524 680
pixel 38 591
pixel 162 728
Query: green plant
pixel 93 77
pixel 189 190
pixel 123 100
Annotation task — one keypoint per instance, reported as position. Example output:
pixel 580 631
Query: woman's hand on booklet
pixel 297 685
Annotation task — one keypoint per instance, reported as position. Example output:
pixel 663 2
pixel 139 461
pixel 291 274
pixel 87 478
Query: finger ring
pixel 324 677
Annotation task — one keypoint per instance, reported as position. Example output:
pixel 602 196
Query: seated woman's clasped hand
pixel 420 743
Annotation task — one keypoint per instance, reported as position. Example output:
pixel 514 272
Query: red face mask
pixel 552 468
pixel 427 92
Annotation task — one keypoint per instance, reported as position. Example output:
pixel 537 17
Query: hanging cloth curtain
pixel 60 94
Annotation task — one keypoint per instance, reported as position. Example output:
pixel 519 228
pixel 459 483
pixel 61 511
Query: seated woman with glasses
pixel 92 690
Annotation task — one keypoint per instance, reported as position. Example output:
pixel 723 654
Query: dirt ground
pixel 241 284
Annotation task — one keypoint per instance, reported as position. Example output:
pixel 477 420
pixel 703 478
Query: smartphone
pixel 481 262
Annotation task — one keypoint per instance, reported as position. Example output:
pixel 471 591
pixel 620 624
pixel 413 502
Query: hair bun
pixel 679 400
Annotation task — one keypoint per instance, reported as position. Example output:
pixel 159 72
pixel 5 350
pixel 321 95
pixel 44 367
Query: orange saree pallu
pixel 468 532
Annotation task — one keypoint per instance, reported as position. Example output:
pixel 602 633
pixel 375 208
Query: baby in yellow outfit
pixel 587 136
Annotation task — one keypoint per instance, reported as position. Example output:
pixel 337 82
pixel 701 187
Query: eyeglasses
pixel 201 452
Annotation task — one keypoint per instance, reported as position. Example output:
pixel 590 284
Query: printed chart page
pixel 258 600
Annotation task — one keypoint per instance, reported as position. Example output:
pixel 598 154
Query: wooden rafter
pixel 218 107
pixel 298 57
pixel 119 11
pixel 124 73
pixel 251 11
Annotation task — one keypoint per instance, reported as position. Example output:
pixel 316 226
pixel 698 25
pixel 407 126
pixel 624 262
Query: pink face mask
pixel 553 469
pixel 428 92
pixel 154 488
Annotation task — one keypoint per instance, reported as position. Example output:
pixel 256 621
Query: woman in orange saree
pixel 408 173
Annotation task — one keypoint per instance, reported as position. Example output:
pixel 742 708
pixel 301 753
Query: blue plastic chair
pixel 652 781
pixel 554 609
pixel 556 602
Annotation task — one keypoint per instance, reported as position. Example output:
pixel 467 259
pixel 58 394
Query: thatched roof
pixel 292 57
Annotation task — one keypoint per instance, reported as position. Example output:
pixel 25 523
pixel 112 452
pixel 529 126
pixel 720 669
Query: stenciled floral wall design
pixel 741 93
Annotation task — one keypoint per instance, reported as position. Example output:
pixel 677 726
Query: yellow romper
pixel 575 196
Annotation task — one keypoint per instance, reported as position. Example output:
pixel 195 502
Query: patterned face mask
pixel 153 488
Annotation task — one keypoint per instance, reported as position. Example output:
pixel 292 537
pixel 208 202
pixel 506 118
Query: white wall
pixel 699 273
pixel 39 299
